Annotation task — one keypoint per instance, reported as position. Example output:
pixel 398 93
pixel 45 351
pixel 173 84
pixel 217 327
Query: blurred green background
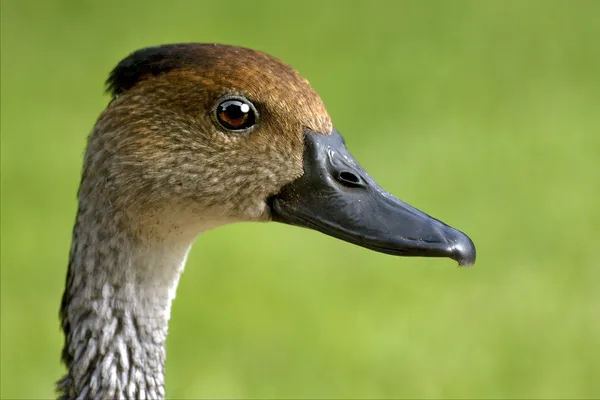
pixel 485 114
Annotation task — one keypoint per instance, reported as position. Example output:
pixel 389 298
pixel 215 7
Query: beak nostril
pixel 349 179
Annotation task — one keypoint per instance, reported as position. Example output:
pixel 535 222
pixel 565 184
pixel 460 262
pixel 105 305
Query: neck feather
pixel 116 308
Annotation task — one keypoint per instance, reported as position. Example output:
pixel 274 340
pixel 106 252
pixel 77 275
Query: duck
pixel 197 136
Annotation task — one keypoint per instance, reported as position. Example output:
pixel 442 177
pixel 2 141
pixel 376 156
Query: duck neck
pixel 115 309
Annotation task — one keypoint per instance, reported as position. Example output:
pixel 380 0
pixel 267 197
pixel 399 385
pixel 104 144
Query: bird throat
pixel 115 309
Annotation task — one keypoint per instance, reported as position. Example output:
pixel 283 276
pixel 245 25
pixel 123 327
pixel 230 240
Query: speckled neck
pixel 116 308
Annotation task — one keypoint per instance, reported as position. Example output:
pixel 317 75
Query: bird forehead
pixel 224 69
pixel 268 81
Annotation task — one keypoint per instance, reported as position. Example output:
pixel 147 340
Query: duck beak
pixel 337 197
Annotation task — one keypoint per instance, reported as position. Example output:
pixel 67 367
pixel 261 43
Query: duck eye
pixel 236 114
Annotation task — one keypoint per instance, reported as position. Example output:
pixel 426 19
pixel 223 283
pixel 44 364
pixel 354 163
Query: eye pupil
pixel 235 115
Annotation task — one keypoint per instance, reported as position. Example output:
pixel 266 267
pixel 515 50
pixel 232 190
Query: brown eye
pixel 236 114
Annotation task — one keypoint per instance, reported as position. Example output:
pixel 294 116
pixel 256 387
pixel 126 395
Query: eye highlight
pixel 235 114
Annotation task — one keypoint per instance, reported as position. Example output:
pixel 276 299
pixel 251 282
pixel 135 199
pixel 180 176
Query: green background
pixel 485 114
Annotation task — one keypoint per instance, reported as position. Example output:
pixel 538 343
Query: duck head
pixel 201 135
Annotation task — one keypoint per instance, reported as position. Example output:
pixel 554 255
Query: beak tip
pixel 463 250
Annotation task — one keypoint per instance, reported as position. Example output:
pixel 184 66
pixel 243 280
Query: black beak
pixel 337 197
